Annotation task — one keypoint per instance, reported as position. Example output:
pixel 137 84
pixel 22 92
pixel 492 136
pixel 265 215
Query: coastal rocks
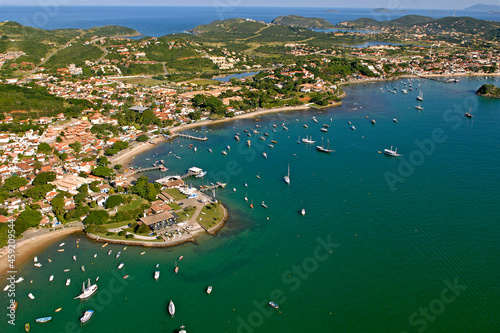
pixel 488 90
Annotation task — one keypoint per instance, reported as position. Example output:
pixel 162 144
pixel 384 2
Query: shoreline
pixel 30 246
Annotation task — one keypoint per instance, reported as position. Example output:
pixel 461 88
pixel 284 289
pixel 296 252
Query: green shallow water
pixel 391 248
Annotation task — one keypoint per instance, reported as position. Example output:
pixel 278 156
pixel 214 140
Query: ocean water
pixel 159 21
pixel 406 244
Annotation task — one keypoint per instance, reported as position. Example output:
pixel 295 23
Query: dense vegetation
pixel 304 22
pixel 34 102
pixel 489 90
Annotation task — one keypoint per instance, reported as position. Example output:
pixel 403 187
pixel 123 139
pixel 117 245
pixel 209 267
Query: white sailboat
pixel 87 292
pixel 287 177
pixel 420 96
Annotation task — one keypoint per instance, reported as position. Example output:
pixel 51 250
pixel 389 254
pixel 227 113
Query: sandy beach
pixel 30 246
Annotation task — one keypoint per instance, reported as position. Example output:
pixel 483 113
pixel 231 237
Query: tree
pixel 57 204
pixel 15 183
pixel 113 201
pixel 142 138
pixel 43 178
pixel 144 189
pixel 97 217
pixel 59 139
pixel 142 229
pixel 45 148
pixel 102 171
pixel 27 219
pixel 76 146
pixel 103 160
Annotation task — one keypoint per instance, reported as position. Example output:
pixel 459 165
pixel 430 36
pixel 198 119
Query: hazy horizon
pixel 402 5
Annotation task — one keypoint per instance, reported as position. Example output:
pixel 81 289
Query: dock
pixel 211 187
pixel 192 137
pixel 132 172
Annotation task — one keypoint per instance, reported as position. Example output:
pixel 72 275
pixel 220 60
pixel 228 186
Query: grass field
pixel 186 214
pixel 142 81
pixel 135 203
pixel 210 215
pixel 176 194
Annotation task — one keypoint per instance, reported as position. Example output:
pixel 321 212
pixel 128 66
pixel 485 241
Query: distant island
pixel 488 90
pixel 480 7
pixel 303 22
pixel 385 10
pixel 333 11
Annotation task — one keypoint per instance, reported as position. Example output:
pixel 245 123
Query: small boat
pixel 157 275
pixel 228 147
pixel 6 287
pixel 324 129
pixel 49 260
pixel 95 255
pixel 249 143
pixel 314 119
pixel 142 253
pixel 274 305
pixel 86 316
pixel 66 270
pixel 60 250
pixel 270 145
pixel 195 149
pixel 234 189
pixel 43 320
pixel 82 268
pixel 264 154
pixel 373 122
pixel 27 327
pixel 51 278
pixel 353 127
pixel 171 308
pixel 118 254
pixel 120 266
pixel 14 305
pixel 287 177
pixel 74 258
pixel 104 245
pixel 263 204
pixel 391 152
pixel 262 138
pixel 274 141
pixel 209 290
pixel 20 279
pixel 468 115
pixel 285 128
pixel 30 295
pixel 87 291
pixel 176 269
pixel 303 212
pixel 258 175
pixel 237 138
pixel 62 244
pixel 210 150
pixel 37 264
pixel 109 252
pixel 305 126
pixel 223 152
pixel 68 281
pixel 58 309
pixel 181 257
pixel 326 125
pixel 251 204
pixel 126 277
pixel 246 196
pixel 418 107
pixel 35 259
pixel 182 330
pixel 394 120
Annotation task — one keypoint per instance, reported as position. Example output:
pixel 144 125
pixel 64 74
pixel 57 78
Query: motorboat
pixel 274 305
pixel 157 275
pixel 86 316
pixel 43 319
pixel 171 308
pixel 209 290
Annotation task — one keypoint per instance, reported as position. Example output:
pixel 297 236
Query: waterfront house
pixel 158 221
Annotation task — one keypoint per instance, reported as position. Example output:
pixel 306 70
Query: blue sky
pixel 399 4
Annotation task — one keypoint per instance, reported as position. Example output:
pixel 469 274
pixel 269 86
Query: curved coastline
pixel 29 246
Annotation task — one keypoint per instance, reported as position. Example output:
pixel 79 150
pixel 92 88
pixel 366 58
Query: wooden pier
pixel 208 188
pixel 132 172
pixel 187 136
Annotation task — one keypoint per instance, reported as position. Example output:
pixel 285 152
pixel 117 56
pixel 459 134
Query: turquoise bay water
pixel 430 240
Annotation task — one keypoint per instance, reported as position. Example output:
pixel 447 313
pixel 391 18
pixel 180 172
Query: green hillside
pixel 303 22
